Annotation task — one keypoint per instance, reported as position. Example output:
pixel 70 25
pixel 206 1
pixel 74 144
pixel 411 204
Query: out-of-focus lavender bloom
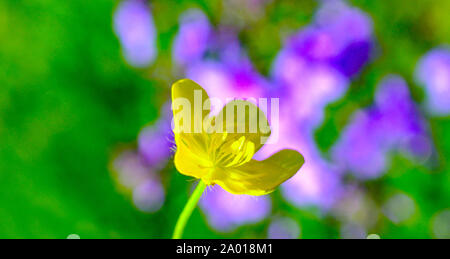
pixel 133 24
pixel 149 196
pixel 352 58
pixel 311 71
pixel 399 117
pixel 283 228
pixel 155 142
pixel 226 211
pixel 309 88
pixel 136 176
pixel 227 82
pixel 316 184
pixel 346 24
pixel 314 44
pixel 193 37
pixel 212 76
pixel 399 208
pixel 433 72
pixel 392 124
pixel 340 37
pixel 136 171
pixel 215 60
pixel 305 72
pixel 232 76
pixel 131 169
pixel 359 148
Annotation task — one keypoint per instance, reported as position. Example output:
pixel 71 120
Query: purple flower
pixel 340 36
pixel 433 73
pixel 359 148
pixel 309 89
pixel 149 196
pixel 130 169
pixel 314 44
pixel 352 58
pixel 136 171
pixel 393 123
pixel 311 71
pixel 133 24
pixel 155 142
pixel 399 116
pixel 346 24
pixel 313 68
pixel 213 76
pixel 226 211
pixel 317 184
pixel 193 37
pixel 223 82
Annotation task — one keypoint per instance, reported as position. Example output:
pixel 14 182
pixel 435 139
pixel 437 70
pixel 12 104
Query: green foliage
pixel 68 99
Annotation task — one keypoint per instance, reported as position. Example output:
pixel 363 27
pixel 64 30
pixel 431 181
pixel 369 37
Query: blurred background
pixel 85 140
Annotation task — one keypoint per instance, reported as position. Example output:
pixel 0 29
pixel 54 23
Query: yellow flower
pixel 219 149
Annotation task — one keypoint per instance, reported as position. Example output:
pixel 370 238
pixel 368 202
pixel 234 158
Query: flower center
pixel 225 151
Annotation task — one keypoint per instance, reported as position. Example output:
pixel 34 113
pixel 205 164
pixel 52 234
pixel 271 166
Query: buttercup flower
pixel 219 149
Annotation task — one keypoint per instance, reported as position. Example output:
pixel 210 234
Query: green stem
pixel 187 211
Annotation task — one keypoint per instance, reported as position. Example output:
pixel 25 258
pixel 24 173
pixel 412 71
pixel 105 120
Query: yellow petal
pixel 188 99
pixel 259 177
pixel 190 157
pixel 246 129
